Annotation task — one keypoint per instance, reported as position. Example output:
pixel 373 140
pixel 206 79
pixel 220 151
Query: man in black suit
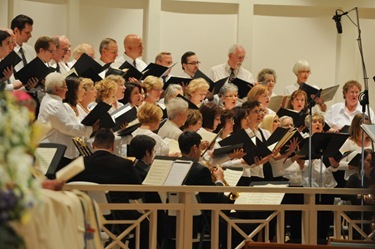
pixel 104 167
pixel 189 143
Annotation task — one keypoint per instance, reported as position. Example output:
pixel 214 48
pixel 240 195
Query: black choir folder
pixel 227 149
pixel 243 86
pixel 280 137
pixel 128 130
pixel 253 146
pixel 298 117
pixel 123 115
pixel 48 157
pixel 191 105
pixel 182 81
pixel 154 70
pixel 100 112
pixel 35 69
pixel 326 94
pixel 115 71
pixel 9 61
pixel 131 71
pixel 87 67
pixel 324 144
pixel 200 74
pixel 167 172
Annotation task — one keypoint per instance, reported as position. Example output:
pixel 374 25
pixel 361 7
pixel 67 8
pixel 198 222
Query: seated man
pixel 189 143
pixel 104 167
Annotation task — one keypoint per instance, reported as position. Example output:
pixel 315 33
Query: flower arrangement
pixel 19 190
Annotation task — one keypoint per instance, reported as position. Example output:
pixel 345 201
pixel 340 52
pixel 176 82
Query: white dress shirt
pixel 140 64
pixel 170 130
pixel 29 53
pixel 223 70
pixel 337 117
pixel 161 147
pixel 64 123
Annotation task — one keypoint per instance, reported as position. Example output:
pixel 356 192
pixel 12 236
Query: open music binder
pixel 123 115
pixel 326 94
pixel 166 171
pixel 200 74
pixel 280 137
pixel 243 86
pixel 71 170
pixel 324 144
pixel 11 60
pixel 48 157
pixel 369 129
pixel 182 81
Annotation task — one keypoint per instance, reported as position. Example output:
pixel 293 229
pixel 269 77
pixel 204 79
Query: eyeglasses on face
pixel 193 63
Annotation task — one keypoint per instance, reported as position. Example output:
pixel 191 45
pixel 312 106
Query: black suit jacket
pixel 104 167
pixel 201 175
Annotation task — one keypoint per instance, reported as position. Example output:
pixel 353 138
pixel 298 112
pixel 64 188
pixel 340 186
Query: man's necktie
pixel 134 64
pixel 23 56
pixel 231 75
pixel 58 68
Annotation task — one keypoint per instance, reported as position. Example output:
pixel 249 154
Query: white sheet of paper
pixel 262 198
pixel 159 171
pixel 178 173
pixel 173 146
pixel 70 170
pixel 232 177
pixel 44 157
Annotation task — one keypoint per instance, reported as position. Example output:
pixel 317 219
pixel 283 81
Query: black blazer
pixel 201 175
pixel 104 167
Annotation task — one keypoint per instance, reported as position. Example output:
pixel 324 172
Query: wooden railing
pixel 186 207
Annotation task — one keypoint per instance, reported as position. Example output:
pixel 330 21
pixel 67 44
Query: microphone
pixel 337 19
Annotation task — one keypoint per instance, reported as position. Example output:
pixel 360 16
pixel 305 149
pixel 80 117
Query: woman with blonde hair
pixel 154 88
pixel 89 96
pixel 197 90
pixel 261 94
pixel 270 122
pixel 149 115
pixel 193 121
pixel 120 81
pixel 106 91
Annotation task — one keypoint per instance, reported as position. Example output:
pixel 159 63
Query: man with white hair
pixel 233 68
pixel 64 124
pixel 177 110
pixel 83 48
pixel 62 47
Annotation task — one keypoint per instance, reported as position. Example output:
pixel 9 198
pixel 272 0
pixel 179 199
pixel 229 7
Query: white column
pixel 151 30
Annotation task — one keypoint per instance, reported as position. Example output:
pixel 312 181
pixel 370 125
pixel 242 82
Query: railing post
pixel 187 226
pixel 337 224
pixel 280 226
pixel 215 229
pixel 153 238
pixel 309 220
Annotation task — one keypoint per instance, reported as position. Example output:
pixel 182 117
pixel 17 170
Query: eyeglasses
pixel 193 63
pixel 231 96
pixel 112 51
pixel 51 51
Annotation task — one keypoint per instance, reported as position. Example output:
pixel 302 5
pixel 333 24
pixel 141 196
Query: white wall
pixel 275 32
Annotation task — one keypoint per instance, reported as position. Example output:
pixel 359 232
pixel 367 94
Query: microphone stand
pixel 309 107
pixel 363 100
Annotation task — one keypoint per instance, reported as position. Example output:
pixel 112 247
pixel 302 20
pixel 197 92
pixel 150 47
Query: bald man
pixel 133 45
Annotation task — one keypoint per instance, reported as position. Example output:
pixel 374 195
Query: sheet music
pixel 328 93
pixel 173 146
pixel 370 130
pixel 275 102
pixel 159 171
pixel 44 157
pixel 262 198
pixel 206 135
pixel 232 177
pixel 178 173
pixel 70 170
pixel 123 109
